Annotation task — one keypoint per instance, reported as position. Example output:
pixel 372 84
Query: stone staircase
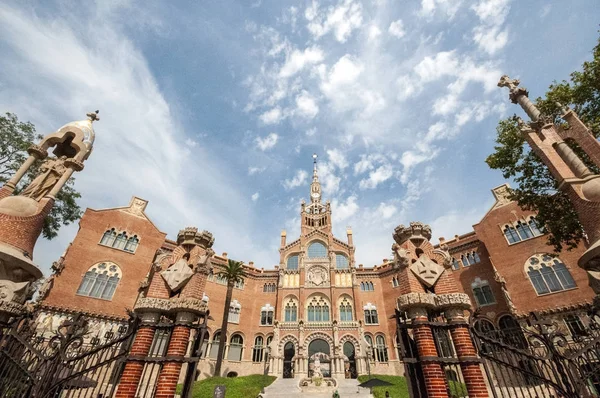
pixel 288 388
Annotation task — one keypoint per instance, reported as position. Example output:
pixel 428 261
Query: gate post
pixel 132 373
pixel 467 355
pixel 417 306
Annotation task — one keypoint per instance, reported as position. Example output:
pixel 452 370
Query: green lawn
pixel 399 389
pixel 237 387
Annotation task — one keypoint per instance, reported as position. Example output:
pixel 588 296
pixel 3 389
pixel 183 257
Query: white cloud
pixel 255 170
pixel 374 32
pixel 191 143
pixel 296 181
pixel 77 59
pixel 489 35
pixel 376 177
pixel 396 29
pixel 342 210
pixel 312 131
pixel 340 19
pixel 386 211
pixel 255 196
pixel 490 39
pixel 272 116
pixel 267 142
pixel 337 158
pixel 298 60
pixel 306 105
pixel 448 7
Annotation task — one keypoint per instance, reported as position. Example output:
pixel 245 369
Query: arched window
pixel 120 241
pixel 291 311
pixel 204 350
pixel 341 261
pixel 370 314
pixel 269 340
pixel 533 225
pixel 484 326
pixel 511 332
pixel 465 260
pixel 548 274
pixel 476 257
pixel 482 292
pixel 258 350
pixel 524 230
pixel 395 282
pixel 382 354
pixel 511 234
pixel 292 262
pixel 235 308
pixel 239 284
pixel 269 288
pixel 100 281
pixel 345 310
pixel 318 309
pixel 317 249
pixel 369 341
pixel 266 315
pixel 455 264
pixel 235 348
pixel 132 244
pixel 214 347
pixel 109 237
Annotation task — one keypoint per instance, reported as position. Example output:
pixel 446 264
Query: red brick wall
pixel 86 251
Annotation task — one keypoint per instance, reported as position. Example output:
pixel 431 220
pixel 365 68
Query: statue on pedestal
pixel 51 171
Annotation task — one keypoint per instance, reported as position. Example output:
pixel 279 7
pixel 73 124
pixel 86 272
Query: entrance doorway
pixel 288 360
pixel 350 364
pixel 319 346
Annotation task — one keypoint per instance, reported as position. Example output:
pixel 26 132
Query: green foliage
pixel 536 188
pixel 237 387
pixel 15 138
pixel 457 389
pixel 233 271
pixel 398 389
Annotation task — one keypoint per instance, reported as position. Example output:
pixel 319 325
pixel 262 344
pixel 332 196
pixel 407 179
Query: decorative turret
pixel 551 142
pixel 22 215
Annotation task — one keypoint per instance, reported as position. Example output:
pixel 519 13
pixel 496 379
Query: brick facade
pixel 274 288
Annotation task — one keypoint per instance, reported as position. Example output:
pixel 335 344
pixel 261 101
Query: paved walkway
pixel 288 388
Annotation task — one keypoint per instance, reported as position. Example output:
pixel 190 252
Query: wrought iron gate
pixel 76 360
pixel 538 358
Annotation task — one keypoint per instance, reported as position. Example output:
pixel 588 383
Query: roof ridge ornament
pixel 93 116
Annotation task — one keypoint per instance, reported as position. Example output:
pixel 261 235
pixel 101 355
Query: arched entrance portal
pixel 319 346
pixel 350 364
pixel 288 355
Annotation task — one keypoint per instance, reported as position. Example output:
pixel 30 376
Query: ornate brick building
pixel 317 299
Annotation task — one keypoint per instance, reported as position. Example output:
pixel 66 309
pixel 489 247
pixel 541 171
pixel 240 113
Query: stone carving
pixel 12 291
pixel 151 304
pixel 401 256
pixel 51 171
pixel 409 300
pixel 453 300
pixel 317 276
pixel 500 279
pixel 416 232
pixel 426 271
pixel 502 195
pixel 178 274
pixel 137 207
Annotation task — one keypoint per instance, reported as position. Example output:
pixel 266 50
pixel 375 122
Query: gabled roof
pixel 136 207
pixel 501 194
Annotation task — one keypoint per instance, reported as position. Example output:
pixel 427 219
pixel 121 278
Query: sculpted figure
pixel 51 171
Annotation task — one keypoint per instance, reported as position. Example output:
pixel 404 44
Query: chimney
pixel 283 236
pixel 349 234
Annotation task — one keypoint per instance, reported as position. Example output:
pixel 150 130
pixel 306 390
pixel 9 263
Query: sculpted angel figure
pixel 51 171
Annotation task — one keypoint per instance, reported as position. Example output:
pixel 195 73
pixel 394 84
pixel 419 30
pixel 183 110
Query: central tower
pixel 315 216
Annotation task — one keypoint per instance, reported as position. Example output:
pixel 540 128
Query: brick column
pixel 132 373
pixel 467 355
pixel 435 379
pixel 169 374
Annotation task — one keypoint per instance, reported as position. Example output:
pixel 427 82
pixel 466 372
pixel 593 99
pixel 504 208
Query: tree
pixel 536 188
pixel 233 272
pixel 15 138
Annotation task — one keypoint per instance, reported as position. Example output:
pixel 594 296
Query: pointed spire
pixel 520 95
pixel 315 177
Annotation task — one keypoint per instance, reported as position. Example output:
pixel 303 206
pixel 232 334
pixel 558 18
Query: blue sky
pixel 212 110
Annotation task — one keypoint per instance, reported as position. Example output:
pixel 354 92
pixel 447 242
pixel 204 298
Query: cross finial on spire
pixel 93 116
pixel 506 81
pixel 315 167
